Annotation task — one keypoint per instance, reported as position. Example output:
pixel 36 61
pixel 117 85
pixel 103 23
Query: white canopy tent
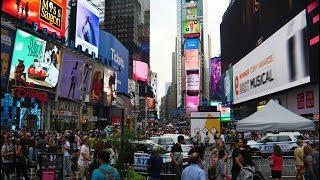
pixel 274 117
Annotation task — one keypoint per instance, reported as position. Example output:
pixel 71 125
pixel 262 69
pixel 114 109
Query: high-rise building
pixel 182 6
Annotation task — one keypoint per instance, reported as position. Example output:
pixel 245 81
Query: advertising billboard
pixel 227 79
pixel 97 84
pixel 191 59
pixel 86 79
pixel 191 29
pixel 191 13
pixel 70 76
pixel 7 40
pixel 192 103
pixel 48 14
pixel 116 55
pixel 253 22
pixel 35 61
pixel 193 81
pixel 85 26
pixel 279 63
pixel 215 78
pixel 140 71
pixel 109 87
pixel 150 103
pixel 191 44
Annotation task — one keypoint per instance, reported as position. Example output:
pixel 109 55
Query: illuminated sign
pixel 191 29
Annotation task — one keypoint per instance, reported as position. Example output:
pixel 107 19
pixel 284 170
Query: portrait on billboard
pixel 34 61
pixel 227 84
pixel 191 29
pixel 87 27
pixel 110 87
pixel 97 85
pixel 70 76
pixel 215 74
pixel 7 40
pixel 86 77
pixel 48 14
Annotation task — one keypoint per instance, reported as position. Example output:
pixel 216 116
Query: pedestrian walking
pixel 105 170
pixel 84 158
pixel 207 140
pixel 311 158
pixel 194 171
pixel 177 157
pixel 7 153
pixel 275 161
pixel 221 168
pixel 21 160
pixel 74 162
pixel 155 163
pixel 298 156
pixel 248 170
pixel 236 164
pixel 66 149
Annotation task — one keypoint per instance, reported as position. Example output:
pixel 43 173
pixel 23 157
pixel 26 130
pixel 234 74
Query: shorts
pixel 276 174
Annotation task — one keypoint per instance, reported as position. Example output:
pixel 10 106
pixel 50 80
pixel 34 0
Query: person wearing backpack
pixel 221 168
pixel 248 170
pixel 105 171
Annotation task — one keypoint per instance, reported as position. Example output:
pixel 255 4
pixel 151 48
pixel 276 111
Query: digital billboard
pixel 85 26
pixel 193 81
pixel 227 79
pixel 150 103
pixel 191 59
pixel 35 61
pixel 253 22
pixel 191 13
pixel 70 76
pixel 7 40
pixel 115 55
pixel 109 87
pixel 97 84
pixel 192 103
pixel 191 29
pixel 48 14
pixel 280 62
pixel 86 79
pixel 215 78
pixel 140 71
pixel 191 44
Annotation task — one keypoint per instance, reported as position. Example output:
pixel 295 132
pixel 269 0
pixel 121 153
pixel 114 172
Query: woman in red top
pixel 276 162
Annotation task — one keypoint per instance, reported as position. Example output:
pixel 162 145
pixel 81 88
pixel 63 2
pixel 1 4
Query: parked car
pixel 264 146
pixel 168 140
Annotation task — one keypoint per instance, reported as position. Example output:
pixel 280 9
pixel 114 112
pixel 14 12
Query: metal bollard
pixel 32 173
pixel 77 175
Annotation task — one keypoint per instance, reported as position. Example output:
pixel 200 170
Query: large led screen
pixel 281 62
pixel 7 40
pixel 191 13
pixel 140 71
pixel 191 59
pixel 215 78
pixel 191 44
pixel 97 85
pixel 191 29
pixel 192 103
pixel 193 81
pixel 85 26
pixel 35 61
pixel 227 78
pixel 50 14
pixel 70 76
pixel 109 87
pixel 116 55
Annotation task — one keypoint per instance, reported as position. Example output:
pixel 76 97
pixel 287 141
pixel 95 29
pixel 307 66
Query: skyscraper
pixel 182 6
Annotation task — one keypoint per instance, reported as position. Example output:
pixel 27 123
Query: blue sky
pixel 163 32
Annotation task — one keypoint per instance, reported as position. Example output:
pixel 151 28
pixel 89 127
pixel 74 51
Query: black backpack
pixel 257 175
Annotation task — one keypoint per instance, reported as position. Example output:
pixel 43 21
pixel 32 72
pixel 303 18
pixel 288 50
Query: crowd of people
pixel 84 152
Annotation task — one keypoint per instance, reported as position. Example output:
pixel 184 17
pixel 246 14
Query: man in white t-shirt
pixel 84 158
pixel 66 155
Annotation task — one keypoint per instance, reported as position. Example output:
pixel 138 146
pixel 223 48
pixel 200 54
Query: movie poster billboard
pixel 70 76
pixel 97 85
pixel 109 87
pixel 50 14
pixel 191 59
pixel 86 80
pixel 215 78
pixel 7 41
pixel 85 26
pixel 34 61
pixel 113 53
